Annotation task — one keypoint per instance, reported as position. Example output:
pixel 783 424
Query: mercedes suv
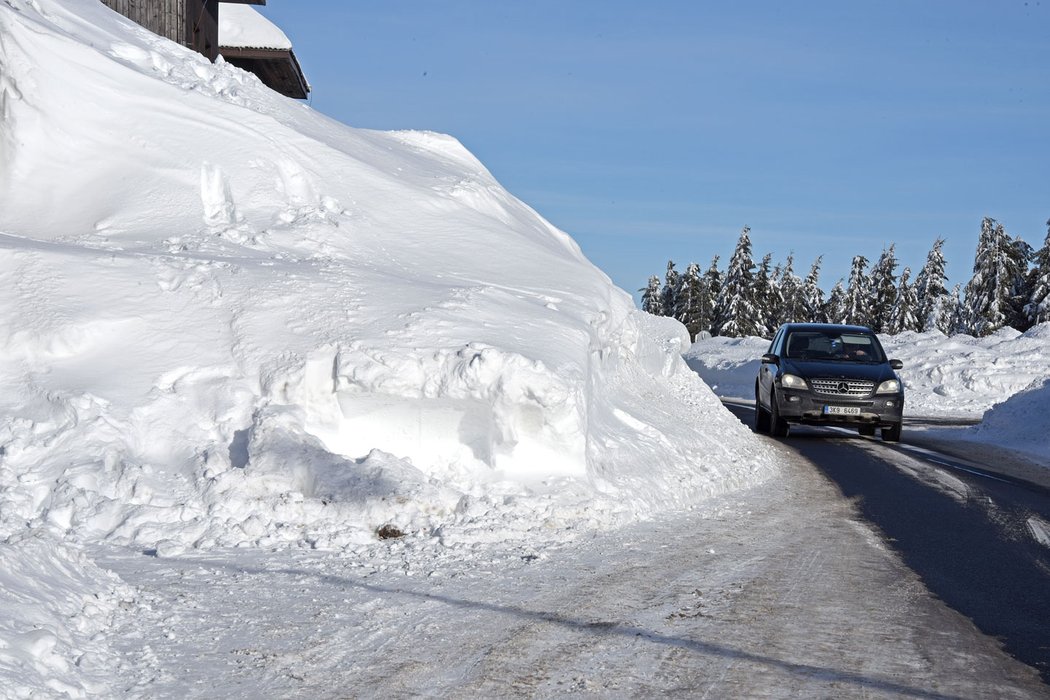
pixel 824 374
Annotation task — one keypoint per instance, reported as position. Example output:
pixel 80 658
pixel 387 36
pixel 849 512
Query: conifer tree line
pixel 1010 286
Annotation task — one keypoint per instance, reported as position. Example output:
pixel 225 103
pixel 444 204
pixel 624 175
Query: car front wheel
pixel 892 433
pixel 777 425
pixel 761 416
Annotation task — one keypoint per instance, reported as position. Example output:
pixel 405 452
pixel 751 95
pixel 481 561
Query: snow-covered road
pixel 781 591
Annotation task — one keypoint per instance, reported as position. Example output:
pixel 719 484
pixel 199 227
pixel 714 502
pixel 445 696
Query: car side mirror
pixel 770 359
pixel 896 364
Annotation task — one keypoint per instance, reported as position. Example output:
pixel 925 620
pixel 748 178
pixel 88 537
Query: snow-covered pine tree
pixel 691 300
pixel 812 310
pixel 792 303
pixel 767 297
pixel 778 296
pixel 957 312
pixel 714 278
pixel 669 293
pixel 993 294
pixel 835 306
pixel 1020 254
pixel 902 316
pixel 736 311
pixel 1037 310
pixel 651 302
pixel 712 288
pixel 857 303
pixel 933 309
pixel 980 317
pixel 883 282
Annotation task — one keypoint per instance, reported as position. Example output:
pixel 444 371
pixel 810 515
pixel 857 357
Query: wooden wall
pixel 202 30
pixel 192 23
pixel 164 17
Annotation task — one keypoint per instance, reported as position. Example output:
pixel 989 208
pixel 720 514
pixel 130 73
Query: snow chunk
pixel 473 406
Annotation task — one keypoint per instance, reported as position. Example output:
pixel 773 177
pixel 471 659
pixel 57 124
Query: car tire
pixel 867 430
pixel 892 433
pixel 761 416
pixel 778 427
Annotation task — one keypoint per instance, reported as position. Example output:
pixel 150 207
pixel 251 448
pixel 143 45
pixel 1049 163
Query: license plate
pixel 842 410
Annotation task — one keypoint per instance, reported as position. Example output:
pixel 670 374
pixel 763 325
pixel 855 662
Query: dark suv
pixel 824 374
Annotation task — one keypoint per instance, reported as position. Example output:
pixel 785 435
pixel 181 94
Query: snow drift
pixel 57 606
pixel 1020 420
pixel 230 320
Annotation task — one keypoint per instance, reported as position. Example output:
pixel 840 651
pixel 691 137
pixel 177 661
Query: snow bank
pixel 229 321
pixel 57 604
pixel 728 365
pixel 1021 421
pixel 958 376
pixel 235 322
pixel 964 376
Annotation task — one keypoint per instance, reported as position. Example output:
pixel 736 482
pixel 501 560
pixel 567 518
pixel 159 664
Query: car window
pixel 776 340
pixel 832 346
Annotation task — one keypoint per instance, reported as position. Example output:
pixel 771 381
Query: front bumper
pixel 809 408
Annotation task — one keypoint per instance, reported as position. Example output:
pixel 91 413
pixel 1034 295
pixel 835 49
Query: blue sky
pixel 655 131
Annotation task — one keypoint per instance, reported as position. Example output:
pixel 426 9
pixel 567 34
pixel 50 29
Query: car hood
pixel 809 369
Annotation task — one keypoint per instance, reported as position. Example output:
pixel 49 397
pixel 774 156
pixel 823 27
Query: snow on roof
pixel 242 27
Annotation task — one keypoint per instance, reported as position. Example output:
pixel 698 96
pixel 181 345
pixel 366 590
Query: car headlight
pixel 790 381
pixel 890 386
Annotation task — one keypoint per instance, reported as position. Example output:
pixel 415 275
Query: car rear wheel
pixel 892 433
pixel 777 425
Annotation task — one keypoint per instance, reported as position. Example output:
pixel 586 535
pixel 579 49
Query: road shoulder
pixel 779 591
pixel 989 457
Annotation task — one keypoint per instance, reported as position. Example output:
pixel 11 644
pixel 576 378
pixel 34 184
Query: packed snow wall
pixel 232 320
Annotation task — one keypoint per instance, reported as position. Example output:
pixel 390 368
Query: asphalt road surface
pixel 976 535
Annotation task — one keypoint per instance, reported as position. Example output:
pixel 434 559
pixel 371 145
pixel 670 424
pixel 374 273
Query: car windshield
pixel 834 346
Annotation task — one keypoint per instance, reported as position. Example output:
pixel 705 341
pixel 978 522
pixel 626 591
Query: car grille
pixel 842 387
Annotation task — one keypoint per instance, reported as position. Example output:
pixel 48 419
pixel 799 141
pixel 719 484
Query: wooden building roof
pixel 196 24
pixel 250 41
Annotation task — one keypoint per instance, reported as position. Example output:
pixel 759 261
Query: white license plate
pixel 842 410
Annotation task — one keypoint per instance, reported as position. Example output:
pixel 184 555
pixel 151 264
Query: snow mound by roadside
pixel 57 604
pixel 728 365
pixel 958 376
pixel 235 322
pixel 232 322
pixel 1020 422
pixel 963 376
